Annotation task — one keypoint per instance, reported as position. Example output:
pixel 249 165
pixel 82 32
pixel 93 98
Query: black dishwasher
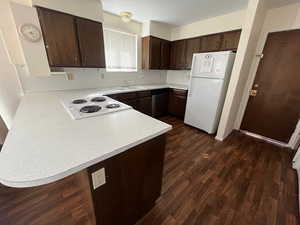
pixel 160 102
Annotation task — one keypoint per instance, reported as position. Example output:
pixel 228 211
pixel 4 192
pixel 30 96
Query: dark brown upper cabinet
pixel 91 43
pixel 172 56
pixel 211 43
pixel 231 40
pixel 60 37
pixel 178 55
pixel 165 54
pixel 156 53
pixel 192 46
pixel 177 102
pixel 72 41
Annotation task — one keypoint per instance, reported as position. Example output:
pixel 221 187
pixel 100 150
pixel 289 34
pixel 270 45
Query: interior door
pixel 273 109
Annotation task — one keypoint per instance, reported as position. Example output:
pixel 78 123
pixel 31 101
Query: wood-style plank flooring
pixel 241 181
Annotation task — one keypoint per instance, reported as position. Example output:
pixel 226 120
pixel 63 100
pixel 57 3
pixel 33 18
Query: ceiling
pixel 174 12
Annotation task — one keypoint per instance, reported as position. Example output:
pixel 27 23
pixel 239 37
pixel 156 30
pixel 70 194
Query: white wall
pixel 10 89
pixel 255 16
pixel 34 54
pixel 91 9
pixel 157 29
pixel 278 19
pixel 86 78
pixel 227 22
pixel 9 31
pixel 181 77
pixel 3 131
pixel 160 30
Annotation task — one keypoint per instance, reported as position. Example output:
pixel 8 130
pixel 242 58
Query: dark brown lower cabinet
pixel 145 105
pixel 156 103
pixel 177 102
pixel 132 102
pixel 133 183
pixel 160 99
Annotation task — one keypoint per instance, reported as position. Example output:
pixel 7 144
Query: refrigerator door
pixel 204 104
pixel 211 65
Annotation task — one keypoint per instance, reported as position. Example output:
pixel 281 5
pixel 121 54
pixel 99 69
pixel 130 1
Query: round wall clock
pixel 30 32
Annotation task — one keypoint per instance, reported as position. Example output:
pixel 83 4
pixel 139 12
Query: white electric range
pixel 93 105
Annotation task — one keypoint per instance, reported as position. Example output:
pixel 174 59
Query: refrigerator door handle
pixel 190 87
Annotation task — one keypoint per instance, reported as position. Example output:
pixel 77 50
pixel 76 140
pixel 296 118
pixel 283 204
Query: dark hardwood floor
pixel 65 202
pixel 241 181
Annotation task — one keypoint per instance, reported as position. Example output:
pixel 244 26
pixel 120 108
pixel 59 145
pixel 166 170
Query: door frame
pixel 295 139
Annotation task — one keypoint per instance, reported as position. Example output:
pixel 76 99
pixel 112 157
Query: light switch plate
pixel 98 178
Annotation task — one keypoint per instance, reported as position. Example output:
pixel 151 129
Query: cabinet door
pixel 91 43
pixel 231 40
pixel 59 32
pixel 145 105
pixel 133 183
pixel 155 53
pixel 108 198
pixel 177 103
pixel 180 53
pixel 211 43
pixel 132 102
pixel 172 55
pixel 165 54
pixel 146 53
pixel 192 46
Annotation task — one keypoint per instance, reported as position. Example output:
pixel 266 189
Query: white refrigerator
pixel 209 80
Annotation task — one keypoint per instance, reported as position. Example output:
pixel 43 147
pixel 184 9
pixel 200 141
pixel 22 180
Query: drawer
pixel 179 92
pixel 114 96
pixel 127 96
pixel 142 94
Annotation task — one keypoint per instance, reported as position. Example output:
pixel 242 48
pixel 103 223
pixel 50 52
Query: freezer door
pixel 211 65
pixel 204 104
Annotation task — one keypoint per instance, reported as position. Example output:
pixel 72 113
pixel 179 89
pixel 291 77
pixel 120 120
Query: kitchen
pixel 134 155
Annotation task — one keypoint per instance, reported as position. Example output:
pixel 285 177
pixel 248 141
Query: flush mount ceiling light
pixel 126 16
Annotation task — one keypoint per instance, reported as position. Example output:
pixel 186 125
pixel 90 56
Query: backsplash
pixel 89 78
pixel 181 77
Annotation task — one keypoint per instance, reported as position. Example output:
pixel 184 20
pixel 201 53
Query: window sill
pixel 121 70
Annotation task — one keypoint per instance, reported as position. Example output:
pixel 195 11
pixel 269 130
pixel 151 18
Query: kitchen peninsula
pixel 118 156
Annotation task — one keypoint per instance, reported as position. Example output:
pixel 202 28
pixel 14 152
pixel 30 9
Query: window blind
pixel 120 51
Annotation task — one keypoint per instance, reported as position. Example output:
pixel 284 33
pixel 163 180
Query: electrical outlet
pixel 102 76
pixel 98 178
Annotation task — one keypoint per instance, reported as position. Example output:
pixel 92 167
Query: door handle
pixel 261 56
pixel 253 93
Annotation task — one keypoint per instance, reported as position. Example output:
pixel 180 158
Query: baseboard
pixel 219 138
pixel 266 139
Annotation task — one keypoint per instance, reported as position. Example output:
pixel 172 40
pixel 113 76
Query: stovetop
pixel 92 105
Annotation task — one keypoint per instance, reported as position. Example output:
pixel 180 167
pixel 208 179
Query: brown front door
pixel 274 106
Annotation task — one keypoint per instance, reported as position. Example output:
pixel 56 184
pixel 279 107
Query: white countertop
pixel 45 144
pixel 117 90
